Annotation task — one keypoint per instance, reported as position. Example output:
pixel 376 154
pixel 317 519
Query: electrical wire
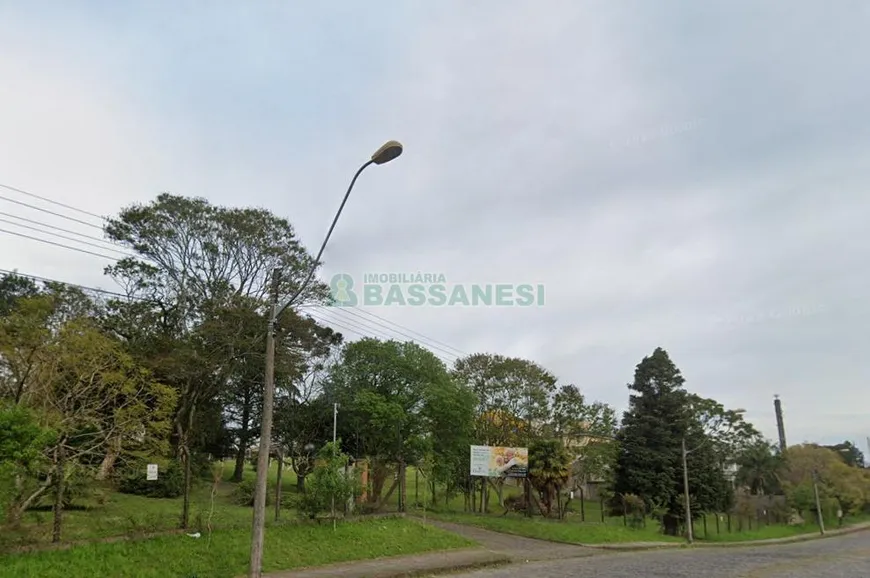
pixel 47 242
pixel 14 224
pixel 62 216
pixel 356 311
pixel 368 332
pixel 344 325
pixel 340 313
pixel 61 229
pixel 82 287
pixel 57 203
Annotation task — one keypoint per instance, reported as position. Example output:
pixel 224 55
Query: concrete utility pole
pixel 385 154
pixel 819 516
pixel 334 421
pixel 334 452
pixel 689 536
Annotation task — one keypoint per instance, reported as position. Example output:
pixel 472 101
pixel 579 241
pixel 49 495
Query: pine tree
pixel 649 461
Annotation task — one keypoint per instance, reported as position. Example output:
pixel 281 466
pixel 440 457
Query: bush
pixel 169 482
pixel 327 482
pixel 635 509
pixel 243 493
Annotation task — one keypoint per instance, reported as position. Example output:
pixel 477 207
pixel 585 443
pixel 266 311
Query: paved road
pixel 517 548
pixel 839 557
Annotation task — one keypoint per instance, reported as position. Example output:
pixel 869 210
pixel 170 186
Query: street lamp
pixel 389 151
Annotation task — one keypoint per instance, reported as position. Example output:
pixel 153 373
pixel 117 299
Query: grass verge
pixel 556 531
pixel 225 553
pixel 601 534
pixel 774 532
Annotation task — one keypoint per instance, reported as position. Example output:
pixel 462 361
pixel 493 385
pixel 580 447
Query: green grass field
pixel 127 515
pixel 224 554
pixel 225 529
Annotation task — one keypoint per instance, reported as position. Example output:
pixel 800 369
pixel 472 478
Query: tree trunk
pixel 244 438
pixel 498 486
pixel 380 503
pixel 58 494
pixel 300 483
pixel 379 479
pixel 15 512
pixel 278 484
pixel 403 491
pixel 239 469
pixel 108 463
pixel 185 458
pixel 671 524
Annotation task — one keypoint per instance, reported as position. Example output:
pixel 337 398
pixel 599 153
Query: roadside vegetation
pixel 96 386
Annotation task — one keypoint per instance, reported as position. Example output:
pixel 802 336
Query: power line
pixel 47 242
pixel 56 228
pixel 47 200
pixel 82 287
pixel 344 324
pixel 14 224
pixel 446 355
pixel 61 215
pixel 336 311
pixel 368 332
pixel 407 333
pixel 354 310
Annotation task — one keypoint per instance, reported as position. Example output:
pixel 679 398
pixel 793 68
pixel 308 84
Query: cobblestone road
pixel 838 557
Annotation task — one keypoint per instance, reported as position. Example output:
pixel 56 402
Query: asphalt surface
pixel 837 557
pixel 517 548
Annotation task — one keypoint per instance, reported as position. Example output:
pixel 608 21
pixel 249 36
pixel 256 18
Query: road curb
pixel 429 564
pixel 642 547
pixel 788 540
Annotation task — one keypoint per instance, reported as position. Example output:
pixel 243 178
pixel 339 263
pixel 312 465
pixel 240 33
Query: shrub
pixel 635 510
pixel 327 482
pixel 169 482
pixel 243 493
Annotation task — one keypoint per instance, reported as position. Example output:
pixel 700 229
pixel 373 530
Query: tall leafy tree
pixel 82 385
pixel 849 486
pixel 850 453
pixel 381 387
pixel 448 411
pixel 513 396
pixel 12 288
pixel 193 261
pixel 729 432
pixel 303 414
pixel 587 430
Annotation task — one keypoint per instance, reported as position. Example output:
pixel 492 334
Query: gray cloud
pixel 693 177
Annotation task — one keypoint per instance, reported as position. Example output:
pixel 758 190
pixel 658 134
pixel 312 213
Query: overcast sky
pixel 686 175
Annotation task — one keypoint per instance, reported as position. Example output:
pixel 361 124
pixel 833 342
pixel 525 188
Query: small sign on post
pixel 152 472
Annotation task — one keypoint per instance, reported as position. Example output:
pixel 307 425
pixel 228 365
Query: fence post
pixel 582 505
pixel 717 523
pixel 601 500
